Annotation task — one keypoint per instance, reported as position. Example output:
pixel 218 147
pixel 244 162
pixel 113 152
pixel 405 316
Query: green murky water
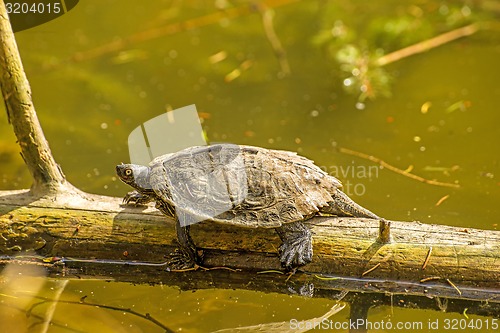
pixel 441 119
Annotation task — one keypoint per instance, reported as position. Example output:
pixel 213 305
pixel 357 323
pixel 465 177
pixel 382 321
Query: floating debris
pixel 454 286
pixel 128 56
pixel 430 278
pixel 371 269
pixel 217 57
pixel 409 169
pixel 425 107
pixel 231 76
pixel 460 105
pixel 235 73
pixel 249 133
pixel 440 201
pixel 325 278
pixel 445 170
pixel 270 271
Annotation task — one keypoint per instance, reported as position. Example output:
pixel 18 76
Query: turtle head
pixel 134 175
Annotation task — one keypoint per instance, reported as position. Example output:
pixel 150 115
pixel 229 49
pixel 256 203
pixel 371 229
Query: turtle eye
pixel 128 172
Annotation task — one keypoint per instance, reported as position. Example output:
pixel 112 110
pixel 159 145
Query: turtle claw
pixel 296 249
pixel 180 262
pixel 136 198
pixel 295 253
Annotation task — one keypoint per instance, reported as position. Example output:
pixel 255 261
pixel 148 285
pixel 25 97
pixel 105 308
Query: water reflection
pixel 208 301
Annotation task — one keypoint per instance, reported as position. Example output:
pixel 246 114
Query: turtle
pixel 244 186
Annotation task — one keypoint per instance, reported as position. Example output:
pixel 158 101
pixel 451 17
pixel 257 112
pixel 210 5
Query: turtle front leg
pixel 187 255
pixel 136 198
pixel 296 249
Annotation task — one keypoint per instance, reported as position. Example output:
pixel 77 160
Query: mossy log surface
pixel 100 227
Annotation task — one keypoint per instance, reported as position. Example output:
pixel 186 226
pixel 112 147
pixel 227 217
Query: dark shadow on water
pixel 361 294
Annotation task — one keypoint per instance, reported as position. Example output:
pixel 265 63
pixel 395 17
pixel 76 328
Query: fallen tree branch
pixel 342 246
pixel 279 50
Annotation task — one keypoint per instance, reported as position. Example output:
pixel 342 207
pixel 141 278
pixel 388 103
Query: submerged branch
pixel 428 44
pixel 146 316
pixel 395 169
pixel 171 29
pixel 279 51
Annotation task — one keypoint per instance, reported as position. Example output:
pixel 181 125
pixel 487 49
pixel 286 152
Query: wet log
pixel 97 227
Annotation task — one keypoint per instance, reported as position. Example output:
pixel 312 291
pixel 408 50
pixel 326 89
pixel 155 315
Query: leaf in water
pixel 286 326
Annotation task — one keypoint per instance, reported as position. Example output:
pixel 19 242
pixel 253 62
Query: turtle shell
pixel 241 185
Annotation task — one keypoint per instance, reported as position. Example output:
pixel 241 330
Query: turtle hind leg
pixel 186 256
pixel 296 249
pixel 342 205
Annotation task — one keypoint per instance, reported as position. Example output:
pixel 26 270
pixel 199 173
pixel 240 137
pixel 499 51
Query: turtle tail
pixel 342 205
